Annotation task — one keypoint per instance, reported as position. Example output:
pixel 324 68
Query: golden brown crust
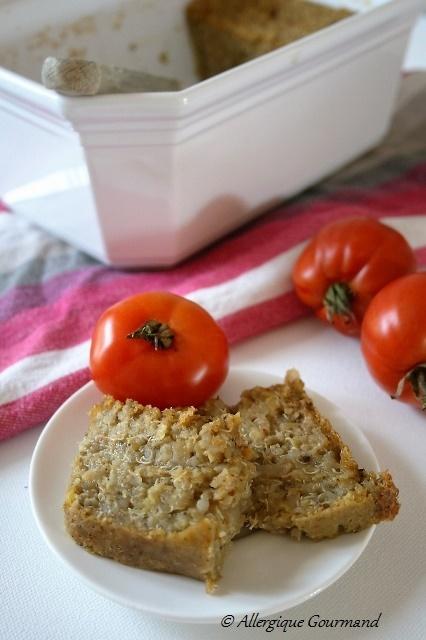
pixel 188 552
pixel 348 515
pixel 385 496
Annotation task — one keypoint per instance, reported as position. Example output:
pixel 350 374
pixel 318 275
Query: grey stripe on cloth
pixel 45 267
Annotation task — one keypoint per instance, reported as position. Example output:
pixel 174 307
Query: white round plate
pixel 262 572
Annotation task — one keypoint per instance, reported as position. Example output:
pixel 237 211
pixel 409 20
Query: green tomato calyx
pixel 338 301
pixel 156 333
pixel 417 379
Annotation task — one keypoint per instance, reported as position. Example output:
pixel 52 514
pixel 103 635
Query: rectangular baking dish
pixel 148 179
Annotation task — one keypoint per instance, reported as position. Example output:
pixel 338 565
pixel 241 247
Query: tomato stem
pixel 338 301
pixel 417 378
pixel 156 333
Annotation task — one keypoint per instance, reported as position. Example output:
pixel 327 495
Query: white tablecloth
pixel 41 600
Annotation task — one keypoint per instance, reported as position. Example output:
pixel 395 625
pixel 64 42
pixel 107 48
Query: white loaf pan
pixel 147 179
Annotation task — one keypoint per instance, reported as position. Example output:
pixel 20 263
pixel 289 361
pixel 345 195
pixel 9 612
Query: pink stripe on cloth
pixel 421 256
pixel 251 321
pixel 37 407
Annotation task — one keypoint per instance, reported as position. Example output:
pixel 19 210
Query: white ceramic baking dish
pixel 147 179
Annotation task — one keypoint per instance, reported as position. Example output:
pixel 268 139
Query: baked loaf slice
pixel 226 33
pixel 307 481
pixel 161 490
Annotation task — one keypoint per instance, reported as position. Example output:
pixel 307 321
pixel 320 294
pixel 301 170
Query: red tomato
pixel 393 338
pixel 160 349
pixel 345 265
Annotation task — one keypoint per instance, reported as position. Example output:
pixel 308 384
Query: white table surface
pixel 41 599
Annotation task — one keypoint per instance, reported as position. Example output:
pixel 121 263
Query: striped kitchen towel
pixel 51 294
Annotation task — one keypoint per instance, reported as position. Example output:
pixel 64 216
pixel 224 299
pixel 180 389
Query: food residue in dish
pixel 164 57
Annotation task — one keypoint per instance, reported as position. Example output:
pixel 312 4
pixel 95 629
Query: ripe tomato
pixel 160 349
pixel 393 338
pixel 345 265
